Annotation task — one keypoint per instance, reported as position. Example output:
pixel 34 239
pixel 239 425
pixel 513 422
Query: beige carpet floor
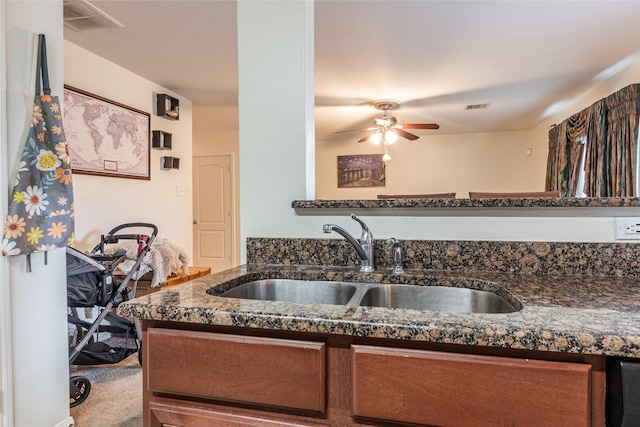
pixel 115 399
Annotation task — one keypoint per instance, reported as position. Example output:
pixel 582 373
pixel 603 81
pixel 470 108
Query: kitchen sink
pixel 300 291
pixel 436 298
pixel 413 297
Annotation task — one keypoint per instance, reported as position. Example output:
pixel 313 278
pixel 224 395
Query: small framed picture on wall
pixel 361 170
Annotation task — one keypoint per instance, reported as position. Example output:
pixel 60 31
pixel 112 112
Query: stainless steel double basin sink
pixel 414 297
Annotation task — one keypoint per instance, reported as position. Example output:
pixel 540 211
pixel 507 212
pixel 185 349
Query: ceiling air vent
pixel 477 106
pixel 83 16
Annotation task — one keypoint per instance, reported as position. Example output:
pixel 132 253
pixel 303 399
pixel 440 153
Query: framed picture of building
pixel 361 170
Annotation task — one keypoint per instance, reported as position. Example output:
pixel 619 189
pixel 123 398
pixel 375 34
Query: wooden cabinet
pixel 448 389
pixel 227 376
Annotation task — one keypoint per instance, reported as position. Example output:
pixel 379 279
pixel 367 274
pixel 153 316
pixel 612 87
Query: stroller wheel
pixel 79 388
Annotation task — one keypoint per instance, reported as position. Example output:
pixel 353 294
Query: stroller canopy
pixel 79 263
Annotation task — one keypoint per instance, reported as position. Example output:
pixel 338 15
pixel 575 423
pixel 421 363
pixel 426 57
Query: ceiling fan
pixel 387 128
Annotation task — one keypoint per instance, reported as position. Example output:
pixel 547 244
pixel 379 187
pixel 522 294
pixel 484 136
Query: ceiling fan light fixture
pixel 386 158
pixel 376 138
pixel 386 121
pixel 390 137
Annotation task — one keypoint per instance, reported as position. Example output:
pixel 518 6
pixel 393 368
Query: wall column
pixel 275 77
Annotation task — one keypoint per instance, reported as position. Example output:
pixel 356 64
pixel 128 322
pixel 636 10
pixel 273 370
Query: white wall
pixel 272 172
pixel 105 202
pixel 37 318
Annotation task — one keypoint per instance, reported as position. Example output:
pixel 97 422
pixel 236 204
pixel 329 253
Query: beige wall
pixel 105 202
pixel 441 164
pixel 209 143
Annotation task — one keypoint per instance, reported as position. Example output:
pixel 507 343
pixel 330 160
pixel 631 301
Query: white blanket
pixel 163 259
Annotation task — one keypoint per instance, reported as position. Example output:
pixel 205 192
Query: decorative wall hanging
pixel 167 107
pixel 361 170
pixel 161 140
pixel 170 163
pixel 105 137
pixel 40 216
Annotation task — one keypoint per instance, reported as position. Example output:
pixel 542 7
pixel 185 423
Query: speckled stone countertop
pixel 560 313
pixel 589 206
pixel 534 202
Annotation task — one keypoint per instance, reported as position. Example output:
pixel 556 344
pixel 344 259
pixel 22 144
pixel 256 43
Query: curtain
pixel 552 159
pixel 566 148
pixel 609 128
pixel 598 159
pixel 623 113
pixel 577 131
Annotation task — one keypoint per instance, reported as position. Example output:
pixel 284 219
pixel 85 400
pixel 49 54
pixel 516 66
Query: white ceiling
pixel 435 57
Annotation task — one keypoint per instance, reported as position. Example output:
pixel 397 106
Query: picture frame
pixel 361 170
pixel 105 137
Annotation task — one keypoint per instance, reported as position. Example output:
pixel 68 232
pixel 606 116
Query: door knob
pixel 195 222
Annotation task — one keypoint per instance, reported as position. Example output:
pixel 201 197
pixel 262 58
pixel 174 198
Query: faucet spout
pixel 364 247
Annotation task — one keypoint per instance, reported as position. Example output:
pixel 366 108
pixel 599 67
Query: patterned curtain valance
pixel 578 125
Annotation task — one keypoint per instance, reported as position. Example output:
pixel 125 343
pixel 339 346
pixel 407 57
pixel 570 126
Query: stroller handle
pixel 115 238
pixel 135 224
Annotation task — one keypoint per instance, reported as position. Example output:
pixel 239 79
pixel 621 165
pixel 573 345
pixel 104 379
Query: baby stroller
pixel 90 283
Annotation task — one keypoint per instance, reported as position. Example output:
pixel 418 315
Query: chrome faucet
pixel 364 246
pixel 397 254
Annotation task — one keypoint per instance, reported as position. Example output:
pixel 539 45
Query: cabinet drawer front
pixel 264 371
pixel 448 389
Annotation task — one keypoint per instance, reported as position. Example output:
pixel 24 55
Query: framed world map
pixel 105 137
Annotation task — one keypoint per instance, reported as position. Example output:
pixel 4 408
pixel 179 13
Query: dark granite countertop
pixel 589 206
pixel 560 313
pixel 533 202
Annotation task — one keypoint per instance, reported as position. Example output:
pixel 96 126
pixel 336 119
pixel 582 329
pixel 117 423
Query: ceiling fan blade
pixel 421 126
pixel 404 134
pixel 366 138
pixel 356 130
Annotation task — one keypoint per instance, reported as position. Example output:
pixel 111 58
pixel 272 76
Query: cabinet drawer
pixel 264 371
pixel 448 389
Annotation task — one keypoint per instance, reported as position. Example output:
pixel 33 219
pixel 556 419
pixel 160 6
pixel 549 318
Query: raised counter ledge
pixel 572 314
pixel 549 206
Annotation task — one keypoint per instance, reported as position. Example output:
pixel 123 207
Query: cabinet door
pixel 263 371
pixel 446 389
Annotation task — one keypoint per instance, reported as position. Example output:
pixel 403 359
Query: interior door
pixel 212 212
